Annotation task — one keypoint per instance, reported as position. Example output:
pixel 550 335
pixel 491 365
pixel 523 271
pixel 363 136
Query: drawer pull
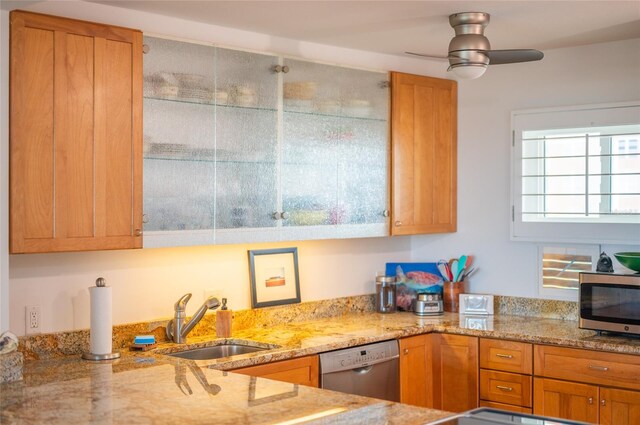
pixel 590 400
pixel 603 402
pixel 504 356
pixel 600 368
pixel 503 388
pixel 406 351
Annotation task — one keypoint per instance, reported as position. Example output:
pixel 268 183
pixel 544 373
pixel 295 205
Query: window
pixel 576 174
pixel 560 267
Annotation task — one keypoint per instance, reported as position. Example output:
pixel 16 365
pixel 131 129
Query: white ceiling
pixel 393 27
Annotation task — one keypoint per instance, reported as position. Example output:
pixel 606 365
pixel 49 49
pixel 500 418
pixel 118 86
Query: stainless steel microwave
pixel 610 302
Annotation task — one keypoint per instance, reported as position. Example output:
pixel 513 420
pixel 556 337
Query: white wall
pixel 147 283
pixel 601 73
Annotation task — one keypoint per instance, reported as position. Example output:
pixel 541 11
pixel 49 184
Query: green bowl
pixel 630 260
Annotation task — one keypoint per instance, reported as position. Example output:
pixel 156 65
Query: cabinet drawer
pixel 593 367
pixel 508 356
pixel 503 387
pixel 507 407
pixel 302 370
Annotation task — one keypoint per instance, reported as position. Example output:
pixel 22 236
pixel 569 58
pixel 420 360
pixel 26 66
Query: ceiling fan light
pixel 469 72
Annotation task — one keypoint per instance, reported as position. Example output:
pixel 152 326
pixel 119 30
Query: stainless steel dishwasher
pixel 369 370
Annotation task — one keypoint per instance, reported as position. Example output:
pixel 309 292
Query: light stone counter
pixel 154 388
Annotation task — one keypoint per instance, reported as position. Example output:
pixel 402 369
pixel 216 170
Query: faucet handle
pixel 181 304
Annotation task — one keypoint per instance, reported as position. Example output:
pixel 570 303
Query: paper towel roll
pixel 101 328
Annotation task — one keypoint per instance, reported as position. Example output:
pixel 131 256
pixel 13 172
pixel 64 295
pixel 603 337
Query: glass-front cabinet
pixel 246 147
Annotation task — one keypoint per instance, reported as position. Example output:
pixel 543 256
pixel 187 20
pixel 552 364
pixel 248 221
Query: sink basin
pixel 216 351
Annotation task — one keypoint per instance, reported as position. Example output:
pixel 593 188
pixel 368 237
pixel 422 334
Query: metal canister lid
pixel 385 279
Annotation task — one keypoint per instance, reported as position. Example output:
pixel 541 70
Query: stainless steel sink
pixel 217 351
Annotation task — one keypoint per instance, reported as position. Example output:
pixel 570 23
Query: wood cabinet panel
pixel 415 371
pixel 302 370
pixel 75 135
pixel 619 407
pixel 568 400
pixel 424 154
pixel 507 407
pixel 503 387
pixel 508 356
pixel 594 367
pixel 455 372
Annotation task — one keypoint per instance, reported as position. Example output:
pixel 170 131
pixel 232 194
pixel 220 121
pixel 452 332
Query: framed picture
pixel 274 277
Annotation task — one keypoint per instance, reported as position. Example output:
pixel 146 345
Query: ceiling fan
pixel 470 52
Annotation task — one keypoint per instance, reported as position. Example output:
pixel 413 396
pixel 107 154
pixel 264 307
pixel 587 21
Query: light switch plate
pixel 476 304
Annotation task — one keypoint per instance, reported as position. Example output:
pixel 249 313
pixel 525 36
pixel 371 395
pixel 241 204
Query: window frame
pixel 609 114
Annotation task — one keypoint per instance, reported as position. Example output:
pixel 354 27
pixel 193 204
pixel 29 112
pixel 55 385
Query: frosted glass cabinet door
pixel 334 170
pixel 246 147
pixel 179 143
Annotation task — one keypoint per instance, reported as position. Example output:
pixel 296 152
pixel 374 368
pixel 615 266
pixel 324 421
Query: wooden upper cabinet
pixel 424 154
pixel 75 135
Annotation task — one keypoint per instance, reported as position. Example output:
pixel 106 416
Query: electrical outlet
pixel 33 319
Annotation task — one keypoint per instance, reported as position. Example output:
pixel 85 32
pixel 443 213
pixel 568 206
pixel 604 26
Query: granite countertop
pixel 152 387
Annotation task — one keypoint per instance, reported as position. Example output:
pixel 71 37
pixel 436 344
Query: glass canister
pixel 385 294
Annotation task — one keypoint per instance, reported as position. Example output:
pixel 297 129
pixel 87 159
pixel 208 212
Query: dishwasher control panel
pixel 356 357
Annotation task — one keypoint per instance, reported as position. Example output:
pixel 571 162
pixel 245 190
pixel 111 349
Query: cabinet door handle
pixel 138 232
pixel 385 213
pixel 503 388
pixel 406 351
pixel 504 356
pixel 600 368
pixel 590 400
pixel 398 223
pixel 145 219
pixel 603 402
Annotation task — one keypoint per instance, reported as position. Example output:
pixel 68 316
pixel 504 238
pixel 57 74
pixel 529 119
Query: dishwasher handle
pixel 331 367
pixel 362 370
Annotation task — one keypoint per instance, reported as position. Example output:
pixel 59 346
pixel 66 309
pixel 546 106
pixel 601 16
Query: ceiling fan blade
pixel 422 55
pixel 498 57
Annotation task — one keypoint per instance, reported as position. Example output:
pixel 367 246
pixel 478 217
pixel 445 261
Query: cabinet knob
pixel 603 402
pixel 385 213
pixel 138 232
pixel 280 215
pixel 280 68
pixel 590 400
pixel 398 223
pixel 406 351
pixel 145 218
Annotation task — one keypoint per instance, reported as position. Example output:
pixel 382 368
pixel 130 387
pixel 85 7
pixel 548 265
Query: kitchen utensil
pixel 468 273
pixel 630 260
pixel 385 294
pixel 455 267
pixel 462 264
pixel 443 268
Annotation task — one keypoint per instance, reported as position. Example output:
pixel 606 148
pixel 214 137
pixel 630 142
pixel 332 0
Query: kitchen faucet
pixel 177 329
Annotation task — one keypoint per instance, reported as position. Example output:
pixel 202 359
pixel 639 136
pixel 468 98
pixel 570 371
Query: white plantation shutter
pixel 576 174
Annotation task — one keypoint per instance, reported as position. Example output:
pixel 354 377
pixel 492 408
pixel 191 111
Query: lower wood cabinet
pixel 439 371
pixel 454 372
pixel 303 371
pixel 415 371
pixel 577 384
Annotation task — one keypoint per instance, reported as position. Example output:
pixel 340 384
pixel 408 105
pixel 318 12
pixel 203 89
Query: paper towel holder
pixel 100 282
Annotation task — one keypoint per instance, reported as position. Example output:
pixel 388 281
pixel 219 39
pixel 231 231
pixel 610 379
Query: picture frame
pixel 274 277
